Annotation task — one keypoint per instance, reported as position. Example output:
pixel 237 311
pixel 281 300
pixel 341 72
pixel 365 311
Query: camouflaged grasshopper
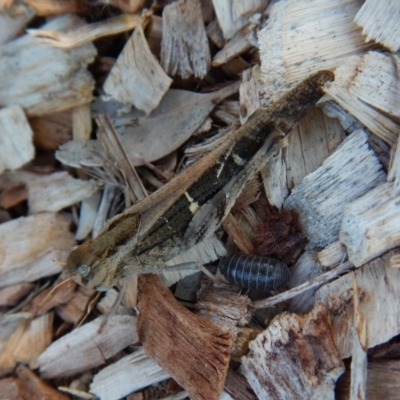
pixel 192 205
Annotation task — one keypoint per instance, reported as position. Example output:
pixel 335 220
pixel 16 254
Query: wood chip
pixel 379 23
pixel 11 295
pixel 321 197
pixel 56 7
pixel 57 191
pixel 16 146
pixel 368 87
pixel 295 358
pixel 87 215
pixel 28 246
pixel 34 388
pixel 301 37
pixel 87 347
pixel 82 122
pixel 184 46
pixel 137 78
pixel 9 389
pixel 131 373
pixel 47 80
pixel 11 26
pixel 370 224
pixel 377 285
pixel 191 349
pixel 332 254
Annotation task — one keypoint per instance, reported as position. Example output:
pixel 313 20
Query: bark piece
pixel 184 46
pixel 137 78
pixel 87 348
pixel 370 224
pixel 16 145
pixel 379 23
pixel 378 291
pixel 305 364
pixel 191 349
pixel 321 197
pixel 368 87
pixel 29 246
pixel 57 191
pixel 32 387
pixel 237 387
pixel 35 340
pixel 131 373
pixel 10 296
pixel 301 37
pixel 64 82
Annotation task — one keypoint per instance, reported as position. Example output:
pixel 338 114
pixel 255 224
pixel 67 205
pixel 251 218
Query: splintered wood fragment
pixel 129 374
pixel 394 166
pixel 56 7
pixel 87 215
pixel 112 145
pixel 7 359
pixel 379 22
pixel 82 122
pixel 86 33
pixel 52 130
pixel 249 93
pixel 180 113
pixel 210 249
pixel 214 33
pixel 368 87
pixel 63 83
pixel 28 246
pixel 9 389
pixel 10 26
pixel 232 227
pixel 190 348
pixel 310 143
pixel 137 78
pixel 370 224
pixel 237 386
pixel 16 146
pixel 377 283
pixel 128 6
pixel 310 374
pixel 32 387
pixel 78 154
pixel 75 309
pixel 332 254
pixel 321 197
pixel 184 46
pixel 306 268
pixel 10 296
pixel 57 191
pixel 87 347
pixel 35 340
pixel 246 8
pixel 324 35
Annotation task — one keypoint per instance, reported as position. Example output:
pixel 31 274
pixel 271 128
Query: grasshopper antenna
pixel 53 290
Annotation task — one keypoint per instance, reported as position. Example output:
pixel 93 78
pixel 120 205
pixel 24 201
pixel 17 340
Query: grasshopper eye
pixel 83 270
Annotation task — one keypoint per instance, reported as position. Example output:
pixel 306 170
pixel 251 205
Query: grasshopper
pixel 193 205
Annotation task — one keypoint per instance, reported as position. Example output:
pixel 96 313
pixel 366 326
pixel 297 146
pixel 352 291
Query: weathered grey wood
pixel 321 197
pixel 370 224
pixel 87 347
pixel 332 254
pixel 379 302
pixel 295 358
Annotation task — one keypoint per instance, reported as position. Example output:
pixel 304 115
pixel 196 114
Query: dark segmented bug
pixel 254 272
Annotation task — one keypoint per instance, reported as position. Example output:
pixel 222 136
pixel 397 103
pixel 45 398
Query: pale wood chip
pixel 9 389
pixel 57 7
pixel 10 26
pixel 10 296
pixel 87 348
pixel 321 197
pixel 57 191
pixel 47 80
pixel 368 87
pixel 332 254
pixel 295 358
pixel 184 46
pixel 249 93
pixel 16 145
pixel 380 22
pixel 28 246
pixel 191 349
pixel 137 78
pixel 86 33
pixel 129 374
pixel 378 291
pixel 82 122
pixel 302 37
pixel 370 224
pixel 87 215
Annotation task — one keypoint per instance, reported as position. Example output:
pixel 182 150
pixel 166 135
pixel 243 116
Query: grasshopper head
pixel 89 270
